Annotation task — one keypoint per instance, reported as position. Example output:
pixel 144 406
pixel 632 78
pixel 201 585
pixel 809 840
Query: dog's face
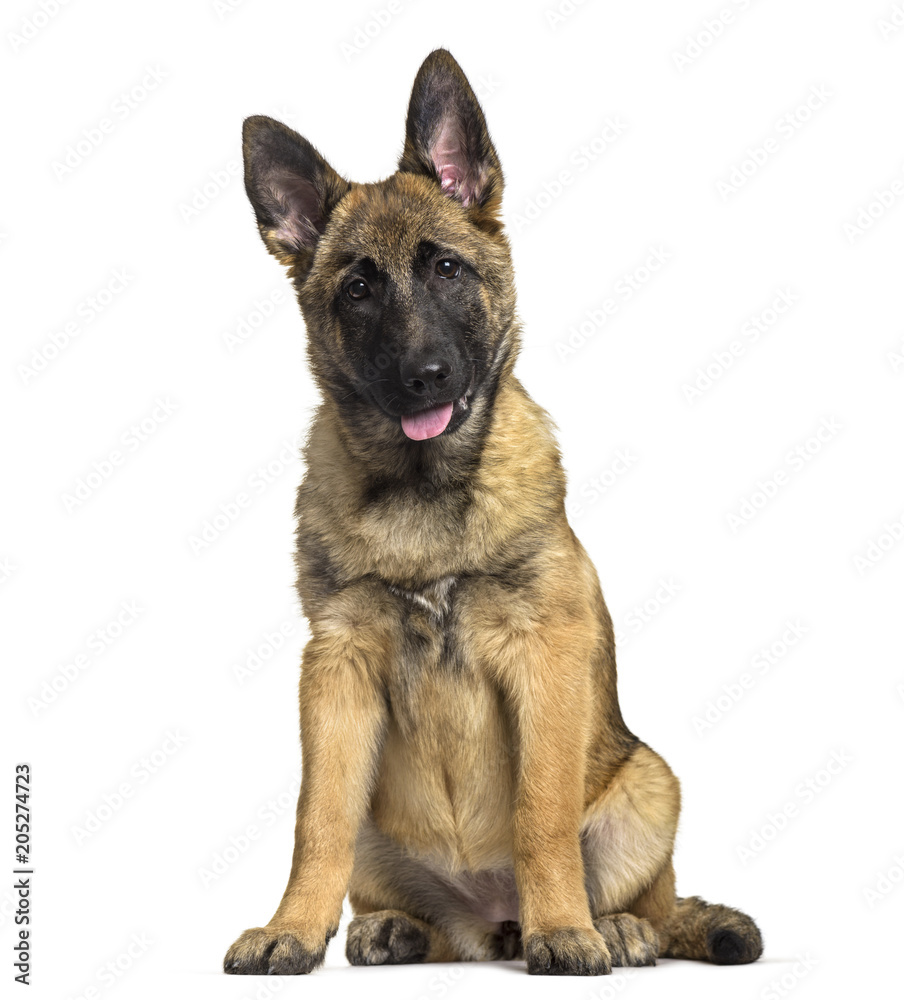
pixel 405 284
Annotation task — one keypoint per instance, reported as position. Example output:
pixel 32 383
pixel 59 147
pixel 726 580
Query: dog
pixel 467 777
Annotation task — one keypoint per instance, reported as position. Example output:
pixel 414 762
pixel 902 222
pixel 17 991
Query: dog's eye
pixel 357 289
pixel 448 268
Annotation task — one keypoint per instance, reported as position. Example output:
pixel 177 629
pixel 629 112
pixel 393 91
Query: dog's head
pixel 405 284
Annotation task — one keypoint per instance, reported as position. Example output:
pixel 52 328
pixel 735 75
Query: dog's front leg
pixel 343 716
pixel 550 701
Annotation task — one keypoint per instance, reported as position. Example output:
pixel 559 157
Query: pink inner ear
pixel 451 164
pixel 300 213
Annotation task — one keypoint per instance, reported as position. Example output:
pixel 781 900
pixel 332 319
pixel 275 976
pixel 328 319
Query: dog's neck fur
pixel 463 509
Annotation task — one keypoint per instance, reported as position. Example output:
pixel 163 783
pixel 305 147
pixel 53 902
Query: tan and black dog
pixel 468 778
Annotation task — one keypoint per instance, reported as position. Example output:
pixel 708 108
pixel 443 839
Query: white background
pixel 159 199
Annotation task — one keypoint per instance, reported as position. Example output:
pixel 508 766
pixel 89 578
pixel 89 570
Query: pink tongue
pixel 429 423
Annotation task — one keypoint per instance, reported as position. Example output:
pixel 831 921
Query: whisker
pixel 369 384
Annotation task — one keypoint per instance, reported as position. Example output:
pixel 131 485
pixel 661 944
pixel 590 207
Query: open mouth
pixel 431 423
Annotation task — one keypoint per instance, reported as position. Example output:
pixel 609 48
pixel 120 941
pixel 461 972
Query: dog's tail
pixel 711 932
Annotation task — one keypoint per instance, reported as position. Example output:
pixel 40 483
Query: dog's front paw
pixel 567 951
pixel 274 951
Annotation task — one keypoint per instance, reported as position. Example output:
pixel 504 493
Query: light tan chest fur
pixel 445 781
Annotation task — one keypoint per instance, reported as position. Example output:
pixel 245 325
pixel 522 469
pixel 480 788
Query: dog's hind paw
pixel 387 937
pixel 631 940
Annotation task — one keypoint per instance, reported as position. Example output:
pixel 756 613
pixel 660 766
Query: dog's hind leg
pixel 627 838
pixel 627 843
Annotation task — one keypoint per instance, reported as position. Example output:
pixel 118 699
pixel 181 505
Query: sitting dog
pixel 467 776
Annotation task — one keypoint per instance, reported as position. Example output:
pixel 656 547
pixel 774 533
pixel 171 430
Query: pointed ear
pixel 290 186
pixel 446 136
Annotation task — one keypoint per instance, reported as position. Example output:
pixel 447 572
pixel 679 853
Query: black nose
pixel 421 375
